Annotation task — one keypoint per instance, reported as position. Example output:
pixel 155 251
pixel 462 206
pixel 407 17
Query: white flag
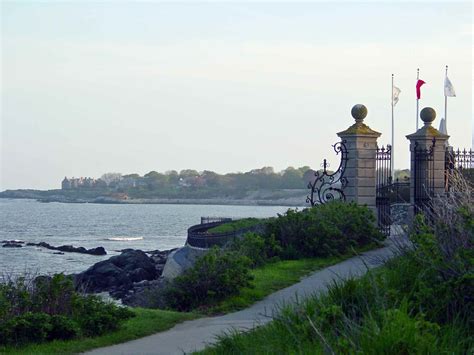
pixel 396 92
pixel 448 88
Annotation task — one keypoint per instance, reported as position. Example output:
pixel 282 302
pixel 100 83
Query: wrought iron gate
pixel 383 171
pixel 329 186
pixel 424 178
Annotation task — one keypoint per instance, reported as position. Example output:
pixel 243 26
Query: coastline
pixel 296 198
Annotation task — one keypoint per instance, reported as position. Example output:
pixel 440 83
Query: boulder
pixel 118 273
pixel 97 251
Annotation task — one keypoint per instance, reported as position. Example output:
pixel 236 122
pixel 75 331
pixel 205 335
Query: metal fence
pixel 199 237
pixel 205 220
pixel 461 161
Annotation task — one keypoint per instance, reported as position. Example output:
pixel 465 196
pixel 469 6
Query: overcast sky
pixel 95 87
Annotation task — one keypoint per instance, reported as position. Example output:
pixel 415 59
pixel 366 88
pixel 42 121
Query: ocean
pixel 115 227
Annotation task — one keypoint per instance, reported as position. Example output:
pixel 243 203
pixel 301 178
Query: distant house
pixel 192 181
pixel 66 184
pixel 76 183
pixel 127 182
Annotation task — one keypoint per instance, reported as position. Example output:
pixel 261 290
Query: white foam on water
pixel 124 239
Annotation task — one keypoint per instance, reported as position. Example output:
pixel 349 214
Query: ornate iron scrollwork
pixel 329 186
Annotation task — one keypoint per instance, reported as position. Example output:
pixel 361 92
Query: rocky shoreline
pixel 125 277
pixel 61 249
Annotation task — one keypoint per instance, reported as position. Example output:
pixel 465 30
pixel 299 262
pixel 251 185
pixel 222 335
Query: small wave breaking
pixel 124 239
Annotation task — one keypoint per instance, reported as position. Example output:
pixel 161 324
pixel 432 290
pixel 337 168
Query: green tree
pixel 292 179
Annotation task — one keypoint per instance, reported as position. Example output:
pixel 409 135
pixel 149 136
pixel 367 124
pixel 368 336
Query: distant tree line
pixel 206 183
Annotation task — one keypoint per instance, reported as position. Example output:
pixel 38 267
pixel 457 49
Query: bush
pixel 95 317
pixel 214 276
pixel 63 328
pixel 258 249
pixel 28 327
pixel 48 308
pixel 324 230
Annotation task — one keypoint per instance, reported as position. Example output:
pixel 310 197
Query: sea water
pixel 115 227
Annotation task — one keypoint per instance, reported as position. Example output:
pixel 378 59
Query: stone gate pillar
pixel 361 143
pixel 422 140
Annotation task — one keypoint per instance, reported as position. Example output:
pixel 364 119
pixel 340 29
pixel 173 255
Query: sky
pixel 126 86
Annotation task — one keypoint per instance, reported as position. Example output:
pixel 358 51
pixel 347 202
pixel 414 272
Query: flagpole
pixel 417 100
pixel 446 103
pixel 392 163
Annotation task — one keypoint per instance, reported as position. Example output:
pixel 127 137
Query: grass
pixel 273 277
pixel 235 225
pixel 146 322
pixel 318 326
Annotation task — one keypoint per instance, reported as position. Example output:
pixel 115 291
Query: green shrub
pixel 53 295
pixel 324 230
pixel 48 308
pixel 28 327
pixel 63 328
pixel 95 317
pixel 258 249
pixel 214 276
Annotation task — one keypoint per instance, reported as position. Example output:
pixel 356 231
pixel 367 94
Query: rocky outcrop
pixel 124 274
pixel 71 249
pixel 12 243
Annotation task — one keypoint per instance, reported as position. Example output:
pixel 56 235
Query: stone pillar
pixel 423 139
pixel 361 143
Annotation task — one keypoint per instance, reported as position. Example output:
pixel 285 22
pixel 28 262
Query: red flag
pixel 418 86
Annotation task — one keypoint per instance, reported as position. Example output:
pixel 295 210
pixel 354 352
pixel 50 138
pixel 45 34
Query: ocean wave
pixel 124 239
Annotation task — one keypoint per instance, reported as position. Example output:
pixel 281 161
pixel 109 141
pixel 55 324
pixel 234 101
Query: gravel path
pixel 196 334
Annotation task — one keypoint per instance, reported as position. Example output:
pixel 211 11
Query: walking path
pixel 196 334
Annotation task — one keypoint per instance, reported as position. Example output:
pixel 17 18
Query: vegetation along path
pixel 196 334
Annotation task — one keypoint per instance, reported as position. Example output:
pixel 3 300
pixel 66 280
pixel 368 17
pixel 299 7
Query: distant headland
pixel 261 186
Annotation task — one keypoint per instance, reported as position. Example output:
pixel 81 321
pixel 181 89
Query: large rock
pixel 118 273
pixel 180 260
